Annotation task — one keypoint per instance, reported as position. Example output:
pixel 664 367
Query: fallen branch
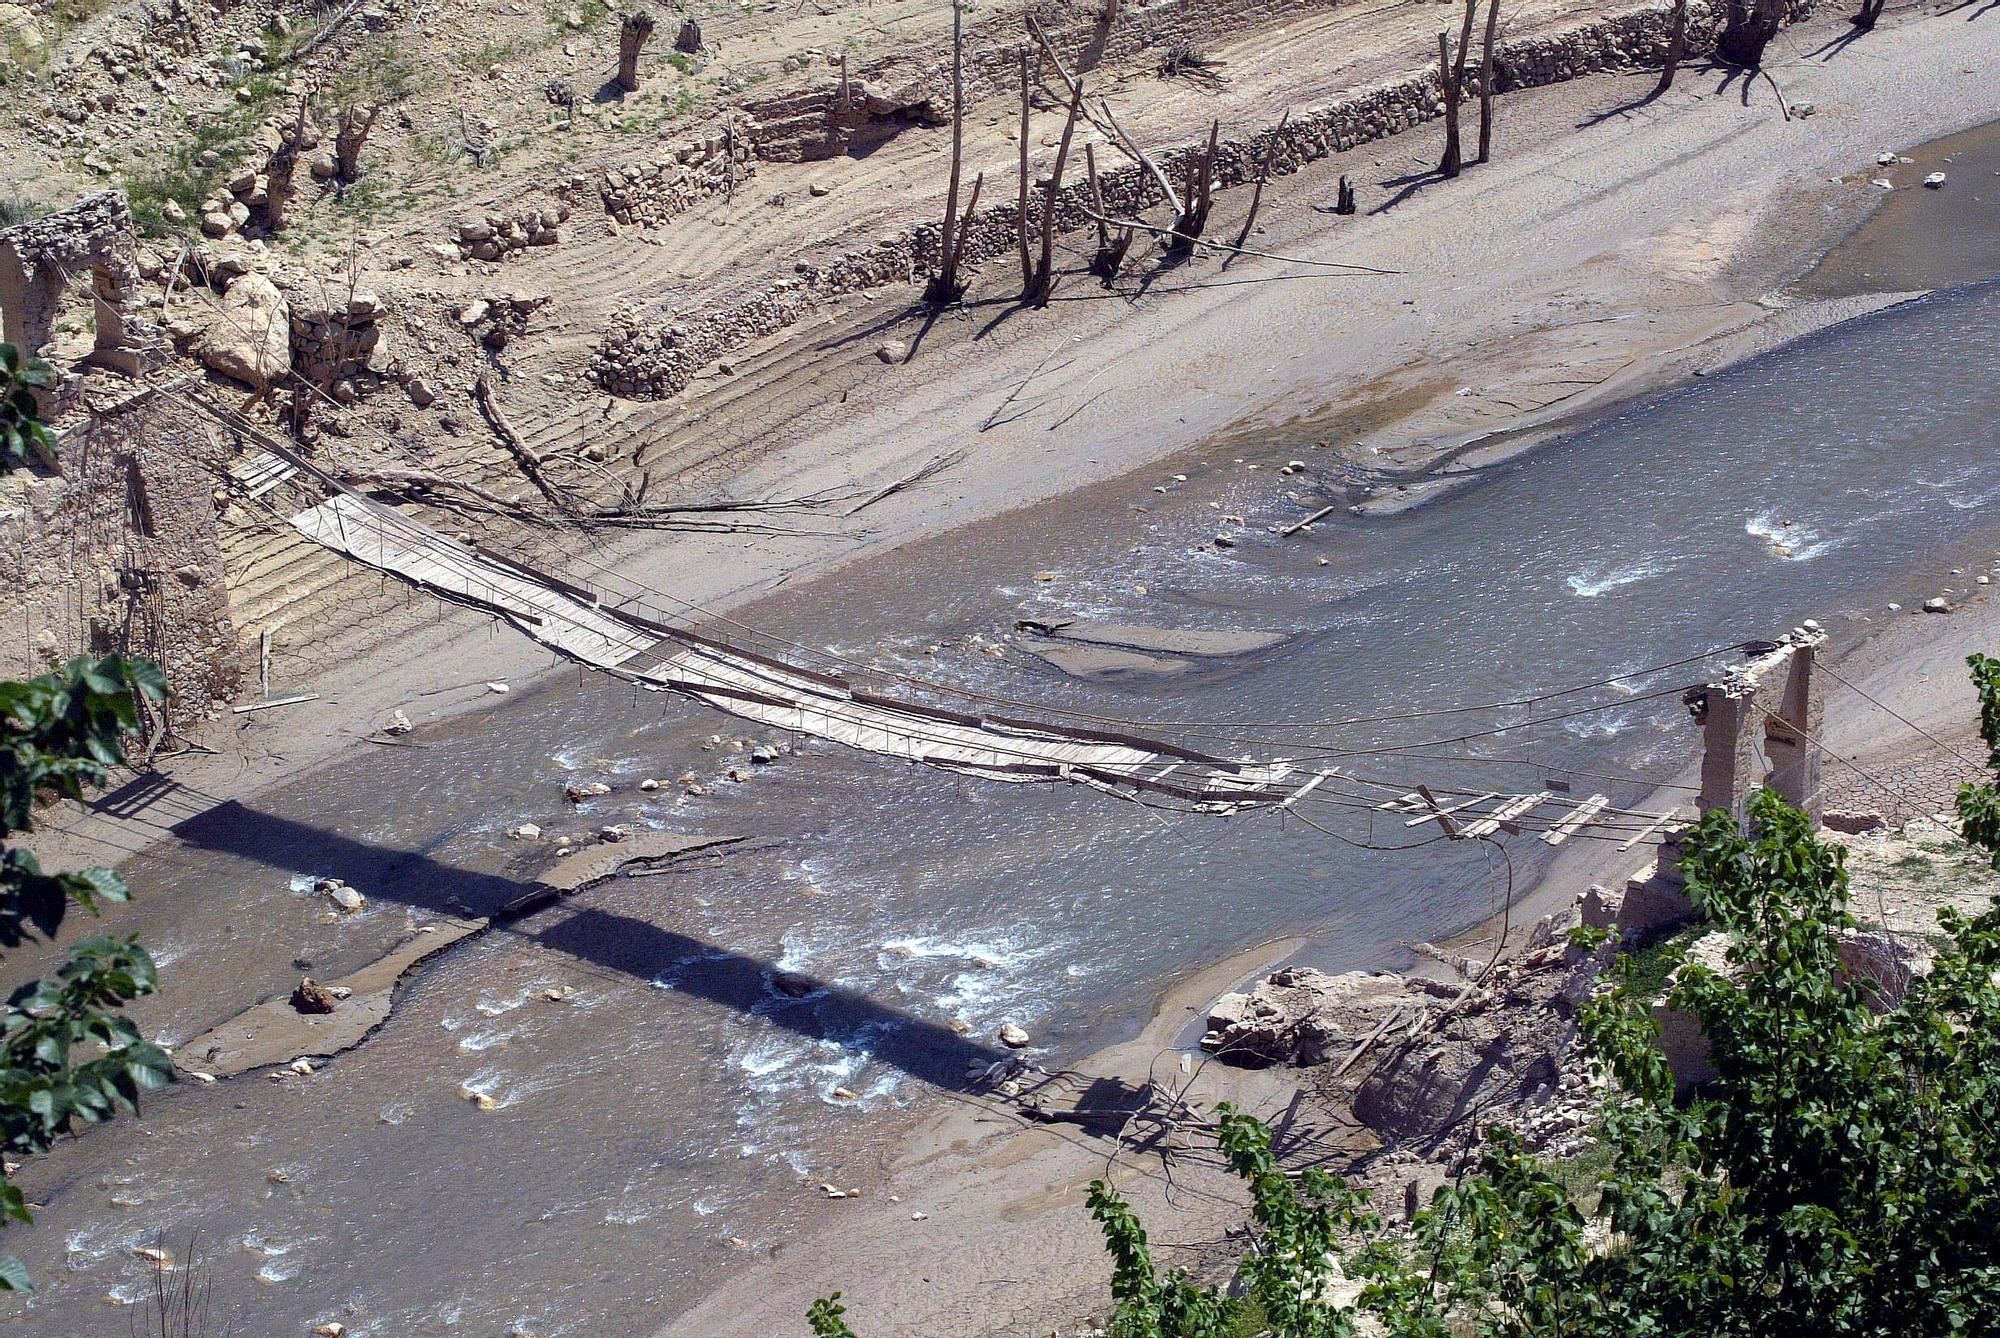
pixel 937 465
pixel 312 43
pixel 489 405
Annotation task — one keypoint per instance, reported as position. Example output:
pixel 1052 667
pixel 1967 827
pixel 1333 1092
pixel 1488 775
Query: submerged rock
pixel 1013 1037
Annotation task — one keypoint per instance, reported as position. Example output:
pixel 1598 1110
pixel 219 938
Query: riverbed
pixel 676 1112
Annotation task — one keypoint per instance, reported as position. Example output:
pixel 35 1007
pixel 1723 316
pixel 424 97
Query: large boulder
pixel 250 338
pixel 20 35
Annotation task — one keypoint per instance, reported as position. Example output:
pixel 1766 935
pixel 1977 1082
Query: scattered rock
pixel 340 894
pixel 1937 604
pixel 1935 181
pixel 498 689
pixel 527 831
pixel 649 785
pixel 478 1099
pixel 1851 822
pixel 611 835
pixel 892 350
pixel 578 791
pixel 313 997
pixel 1013 1037
pixel 333 1328
pixel 763 754
pixel 399 724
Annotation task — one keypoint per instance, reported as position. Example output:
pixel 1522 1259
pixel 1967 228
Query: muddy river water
pixel 657 1124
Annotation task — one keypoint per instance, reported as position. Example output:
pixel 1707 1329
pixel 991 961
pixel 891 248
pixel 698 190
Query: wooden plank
pixel 1452 808
pixel 281 701
pixel 1648 830
pixel 1318 780
pixel 1582 815
pixel 1507 812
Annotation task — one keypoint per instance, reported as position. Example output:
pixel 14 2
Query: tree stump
pixel 633 34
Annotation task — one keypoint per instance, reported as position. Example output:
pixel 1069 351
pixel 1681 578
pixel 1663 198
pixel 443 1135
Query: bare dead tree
pixel 1344 201
pixel 688 40
pixel 1486 81
pixel 1044 282
pixel 1199 196
pixel 633 34
pixel 1871 11
pixel 1451 74
pixel 1263 176
pixel 1677 45
pixel 1747 28
pixel 349 135
pixel 944 287
pixel 1110 257
pixel 278 176
pixel 1021 202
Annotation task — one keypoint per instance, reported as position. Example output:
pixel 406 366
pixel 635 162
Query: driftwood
pixel 312 44
pixel 1166 232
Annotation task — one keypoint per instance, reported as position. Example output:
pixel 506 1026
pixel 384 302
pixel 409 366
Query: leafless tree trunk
pixel 278 188
pixel 1677 45
pixel 1448 165
pixel 1021 201
pixel 688 40
pixel 1871 10
pixel 1747 28
pixel 633 34
pixel 1263 176
pixel 1044 284
pixel 350 133
pixel 1198 197
pixel 1110 257
pixel 1486 81
pixel 945 287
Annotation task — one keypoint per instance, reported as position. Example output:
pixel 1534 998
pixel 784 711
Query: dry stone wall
pixel 903 90
pixel 653 358
pixel 654 190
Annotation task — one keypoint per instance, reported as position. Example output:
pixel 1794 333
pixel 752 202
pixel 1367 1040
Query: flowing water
pixel 656 1125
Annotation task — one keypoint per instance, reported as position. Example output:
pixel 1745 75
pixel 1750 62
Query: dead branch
pixel 530 464
pixel 312 44
pixel 937 465
pixel 1186 62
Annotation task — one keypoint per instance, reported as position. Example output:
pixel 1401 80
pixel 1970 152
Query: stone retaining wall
pixel 655 358
pixel 653 191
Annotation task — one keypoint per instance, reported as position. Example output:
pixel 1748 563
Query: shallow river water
pixel 658 1123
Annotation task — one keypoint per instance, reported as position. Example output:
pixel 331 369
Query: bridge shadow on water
pixel 609 940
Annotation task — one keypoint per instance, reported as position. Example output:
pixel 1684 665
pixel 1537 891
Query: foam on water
pixel 1789 539
pixel 1591 585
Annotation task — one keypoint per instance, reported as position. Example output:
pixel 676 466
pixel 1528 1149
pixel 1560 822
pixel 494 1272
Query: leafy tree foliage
pixel 1838 1176
pixel 67 1054
pixel 21 430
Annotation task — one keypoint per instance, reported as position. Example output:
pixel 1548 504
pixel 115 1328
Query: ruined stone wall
pixel 655 358
pixel 119 553
pixel 655 190
pixel 906 89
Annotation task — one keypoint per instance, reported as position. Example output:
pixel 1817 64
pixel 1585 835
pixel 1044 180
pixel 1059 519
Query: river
pixel 658 1123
